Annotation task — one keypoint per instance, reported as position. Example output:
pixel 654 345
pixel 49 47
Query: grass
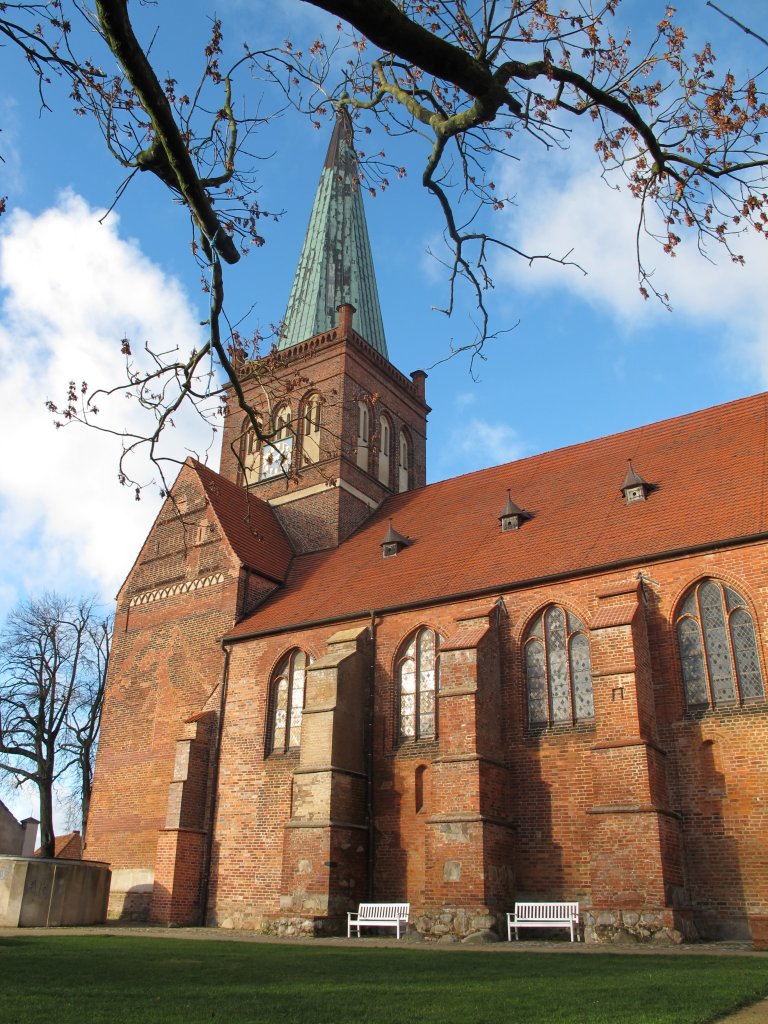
pixel 125 979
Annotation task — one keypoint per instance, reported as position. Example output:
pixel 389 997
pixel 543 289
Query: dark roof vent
pixel 512 516
pixel 393 542
pixel 634 487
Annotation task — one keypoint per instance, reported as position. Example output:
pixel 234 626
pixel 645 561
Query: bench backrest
pixel 385 911
pixel 547 911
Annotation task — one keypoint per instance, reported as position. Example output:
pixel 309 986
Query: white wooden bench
pixel 544 915
pixel 379 915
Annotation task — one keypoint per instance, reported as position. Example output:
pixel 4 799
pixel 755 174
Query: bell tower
pixel 345 428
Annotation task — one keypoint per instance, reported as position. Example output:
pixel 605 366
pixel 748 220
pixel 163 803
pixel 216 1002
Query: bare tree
pixel 52 659
pixel 81 736
pixel 471 80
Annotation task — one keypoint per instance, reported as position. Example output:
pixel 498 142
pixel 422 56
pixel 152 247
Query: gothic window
pixel 363 434
pixel 249 453
pixel 558 669
pixel 286 703
pixel 276 453
pixel 718 647
pixel 312 430
pixel 282 423
pixel 404 462
pixel 385 443
pixel 417 676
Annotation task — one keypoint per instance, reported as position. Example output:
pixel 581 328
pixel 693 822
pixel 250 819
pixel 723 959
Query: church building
pixel 331 682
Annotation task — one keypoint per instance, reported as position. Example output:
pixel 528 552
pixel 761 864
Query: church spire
pixel 336 265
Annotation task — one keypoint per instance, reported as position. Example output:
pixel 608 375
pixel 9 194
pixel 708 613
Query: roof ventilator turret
pixel 393 542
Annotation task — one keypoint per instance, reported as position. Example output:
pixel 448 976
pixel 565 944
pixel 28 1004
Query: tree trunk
pixel 47 837
pixel 85 794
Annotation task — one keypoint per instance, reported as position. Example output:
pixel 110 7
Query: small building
pixel 17 838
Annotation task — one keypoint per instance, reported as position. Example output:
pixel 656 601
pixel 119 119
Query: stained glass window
pixel 418 684
pixel 718 647
pixel 558 669
pixel 287 703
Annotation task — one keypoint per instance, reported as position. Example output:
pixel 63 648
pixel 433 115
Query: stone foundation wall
pixel 455 924
pixel 129 906
pixel 622 927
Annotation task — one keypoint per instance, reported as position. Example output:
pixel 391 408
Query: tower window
pixel 282 423
pixel 249 453
pixel 311 451
pixel 558 669
pixel 404 465
pixel 276 454
pixel 385 442
pixel 417 674
pixel 287 703
pixel 363 434
pixel 718 648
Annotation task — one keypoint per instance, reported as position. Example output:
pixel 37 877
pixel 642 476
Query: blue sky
pixel 588 357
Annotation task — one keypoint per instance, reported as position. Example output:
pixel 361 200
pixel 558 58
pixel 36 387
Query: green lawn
pixel 82 979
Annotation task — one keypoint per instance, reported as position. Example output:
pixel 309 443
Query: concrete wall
pixel 36 892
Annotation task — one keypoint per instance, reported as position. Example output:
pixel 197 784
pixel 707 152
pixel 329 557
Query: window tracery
pixel 286 706
pixel 558 669
pixel 718 647
pixel 276 454
pixel 418 681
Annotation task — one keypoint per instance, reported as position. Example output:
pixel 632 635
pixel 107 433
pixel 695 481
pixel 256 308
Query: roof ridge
pixel 603 439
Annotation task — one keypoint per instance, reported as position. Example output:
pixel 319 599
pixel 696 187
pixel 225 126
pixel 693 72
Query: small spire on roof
pixel 634 488
pixel 512 516
pixel 393 542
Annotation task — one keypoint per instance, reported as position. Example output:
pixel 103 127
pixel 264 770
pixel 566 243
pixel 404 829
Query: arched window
pixel 417 676
pixel 311 451
pixel 249 453
pixel 286 703
pixel 385 444
pixel 404 462
pixel 718 647
pixel 282 422
pixel 276 454
pixel 363 434
pixel 558 669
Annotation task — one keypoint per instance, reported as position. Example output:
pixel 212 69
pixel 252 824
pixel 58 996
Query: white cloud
pixel 478 443
pixel 464 399
pixel 71 289
pixel 568 208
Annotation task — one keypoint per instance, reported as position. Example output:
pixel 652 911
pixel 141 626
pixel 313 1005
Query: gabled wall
pixel 183 594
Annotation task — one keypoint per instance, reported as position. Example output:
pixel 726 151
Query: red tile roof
pixel 67 847
pixel 707 468
pixel 248 523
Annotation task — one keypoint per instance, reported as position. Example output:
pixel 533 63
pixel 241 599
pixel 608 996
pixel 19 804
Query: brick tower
pixel 344 428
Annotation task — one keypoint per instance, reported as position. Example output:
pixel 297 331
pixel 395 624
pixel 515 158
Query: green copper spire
pixel 336 265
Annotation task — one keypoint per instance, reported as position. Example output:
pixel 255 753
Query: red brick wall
pixel 643 807
pixel 343 370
